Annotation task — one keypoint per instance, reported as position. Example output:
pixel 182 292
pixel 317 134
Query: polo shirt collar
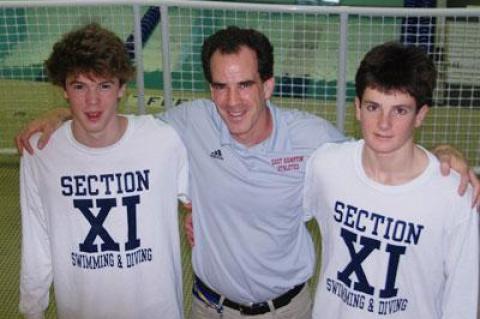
pixel 278 141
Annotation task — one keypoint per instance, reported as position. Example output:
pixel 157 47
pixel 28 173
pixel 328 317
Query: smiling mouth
pixel 236 116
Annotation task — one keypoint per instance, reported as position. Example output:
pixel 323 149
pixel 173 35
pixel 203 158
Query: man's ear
pixel 211 90
pixel 421 114
pixel 268 87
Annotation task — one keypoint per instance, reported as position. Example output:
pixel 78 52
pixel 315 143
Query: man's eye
pixel 371 107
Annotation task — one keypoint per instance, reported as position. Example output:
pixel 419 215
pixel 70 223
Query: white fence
pixel 317 50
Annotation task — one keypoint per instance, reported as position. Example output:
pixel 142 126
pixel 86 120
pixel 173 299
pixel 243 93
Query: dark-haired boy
pixel 398 241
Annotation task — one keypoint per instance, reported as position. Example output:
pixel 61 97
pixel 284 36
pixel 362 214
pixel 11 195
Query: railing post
pixel 342 72
pixel 137 35
pixel 167 75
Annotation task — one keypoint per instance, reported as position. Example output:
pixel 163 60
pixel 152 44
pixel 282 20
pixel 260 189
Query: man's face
pixel 93 101
pixel 388 120
pixel 240 95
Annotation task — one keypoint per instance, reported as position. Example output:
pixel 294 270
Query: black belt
pixel 202 291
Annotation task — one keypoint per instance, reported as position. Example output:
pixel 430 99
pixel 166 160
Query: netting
pixel 316 55
pixel 317 50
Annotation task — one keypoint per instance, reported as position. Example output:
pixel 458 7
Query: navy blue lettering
pixel 138 256
pixel 387 231
pixel 131 204
pixel 129 183
pixel 357 258
pixel 393 261
pixel 66 181
pixel 357 224
pixel 351 210
pixel 143 180
pixel 79 185
pixel 119 184
pixel 329 284
pixel 399 230
pixel 105 184
pixel 338 216
pixel 106 179
pixel 414 233
pixel 92 190
pixel 376 218
pixel 376 224
pixel 96 223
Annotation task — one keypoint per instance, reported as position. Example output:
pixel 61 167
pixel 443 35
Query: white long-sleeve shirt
pixel 406 251
pixel 103 225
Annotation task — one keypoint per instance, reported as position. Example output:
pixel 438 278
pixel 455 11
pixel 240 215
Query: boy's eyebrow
pixel 107 80
pixel 100 82
pixel 394 105
pixel 369 101
pixel 74 81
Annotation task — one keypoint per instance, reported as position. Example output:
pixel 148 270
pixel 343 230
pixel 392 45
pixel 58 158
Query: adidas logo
pixel 217 154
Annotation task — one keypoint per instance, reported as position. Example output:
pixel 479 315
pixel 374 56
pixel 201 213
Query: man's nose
pixel 233 97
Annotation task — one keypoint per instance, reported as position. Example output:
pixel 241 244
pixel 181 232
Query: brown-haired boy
pixel 99 204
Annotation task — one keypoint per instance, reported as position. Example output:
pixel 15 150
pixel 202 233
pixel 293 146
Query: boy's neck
pixel 105 138
pixel 394 169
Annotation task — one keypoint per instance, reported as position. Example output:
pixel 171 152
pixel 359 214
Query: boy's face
pixel 388 120
pixel 93 101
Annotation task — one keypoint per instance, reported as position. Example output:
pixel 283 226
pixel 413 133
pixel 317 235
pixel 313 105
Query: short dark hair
pixel 90 49
pixel 393 66
pixel 230 40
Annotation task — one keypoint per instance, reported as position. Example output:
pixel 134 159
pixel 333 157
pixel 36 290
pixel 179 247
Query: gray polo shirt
pixel 251 243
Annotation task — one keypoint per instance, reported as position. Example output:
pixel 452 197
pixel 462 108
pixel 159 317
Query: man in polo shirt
pixel 253 253
pixel 252 247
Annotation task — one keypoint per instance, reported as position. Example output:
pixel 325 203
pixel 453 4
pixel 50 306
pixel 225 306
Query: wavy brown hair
pixel 91 50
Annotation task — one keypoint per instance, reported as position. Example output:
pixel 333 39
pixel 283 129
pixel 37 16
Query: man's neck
pixel 394 169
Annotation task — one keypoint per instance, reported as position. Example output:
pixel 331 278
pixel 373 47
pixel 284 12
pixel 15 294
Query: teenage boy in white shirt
pixel 398 241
